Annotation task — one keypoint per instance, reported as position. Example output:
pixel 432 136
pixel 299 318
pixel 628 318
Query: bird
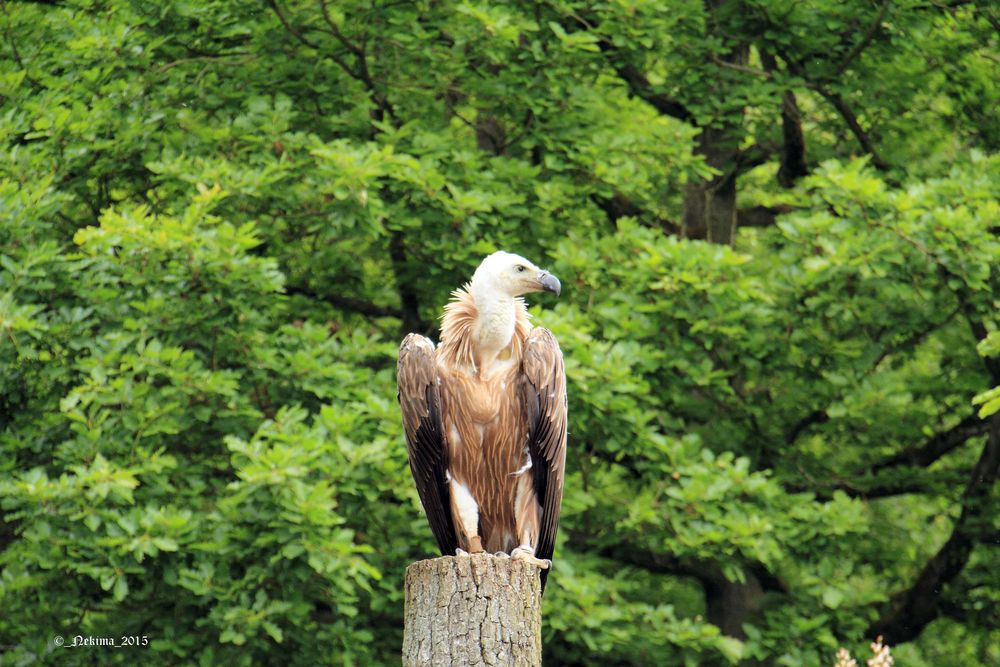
pixel 485 417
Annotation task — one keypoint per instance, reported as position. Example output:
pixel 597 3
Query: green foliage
pixel 989 401
pixel 218 218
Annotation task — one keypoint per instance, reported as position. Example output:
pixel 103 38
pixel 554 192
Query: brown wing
pixel 543 390
pixel 419 400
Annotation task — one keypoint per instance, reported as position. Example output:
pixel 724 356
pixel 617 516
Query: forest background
pixel 776 223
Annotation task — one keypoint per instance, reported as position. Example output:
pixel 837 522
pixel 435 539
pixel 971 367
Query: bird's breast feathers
pixel 482 398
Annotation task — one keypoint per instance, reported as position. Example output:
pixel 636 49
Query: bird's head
pixel 512 275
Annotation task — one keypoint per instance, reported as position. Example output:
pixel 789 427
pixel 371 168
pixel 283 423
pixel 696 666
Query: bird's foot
pixel 527 554
pixel 502 554
pixel 475 547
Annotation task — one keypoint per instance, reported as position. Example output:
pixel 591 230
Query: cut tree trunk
pixel 472 610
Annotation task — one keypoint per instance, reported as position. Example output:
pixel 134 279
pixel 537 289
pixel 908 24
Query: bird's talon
pixel 527 554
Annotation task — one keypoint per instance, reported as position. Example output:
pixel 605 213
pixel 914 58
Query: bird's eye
pixel 520 268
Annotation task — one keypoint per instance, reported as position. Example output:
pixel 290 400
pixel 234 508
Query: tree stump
pixel 472 610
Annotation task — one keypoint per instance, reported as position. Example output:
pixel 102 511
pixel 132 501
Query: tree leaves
pixel 214 218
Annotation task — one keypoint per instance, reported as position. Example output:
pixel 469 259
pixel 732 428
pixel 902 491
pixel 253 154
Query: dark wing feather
pixel 419 400
pixel 543 390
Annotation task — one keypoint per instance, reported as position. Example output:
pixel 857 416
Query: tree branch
pixel 761 216
pixel 811 419
pixel 980 331
pixel 909 611
pixel 825 492
pixel 404 282
pixel 835 99
pixel 640 87
pixel 820 416
pixel 335 31
pixel 361 72
pixel 619 206
pixel 13 49
pixel 764 74
pixel 793 154
pixel 751 157
pixel 288 26
pixel 703 570
pixel 729 603
pixel 226 59
pixel 866 40
pixel 852 122
pixel 938 446
pixel 793 149
pixel 352 304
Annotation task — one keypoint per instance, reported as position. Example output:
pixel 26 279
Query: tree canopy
pixel 776 224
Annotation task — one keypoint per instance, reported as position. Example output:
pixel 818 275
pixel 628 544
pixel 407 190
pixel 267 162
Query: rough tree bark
pixel 710 204
pixel 472 610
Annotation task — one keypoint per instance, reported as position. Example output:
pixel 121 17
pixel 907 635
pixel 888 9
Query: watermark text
pixel 122 641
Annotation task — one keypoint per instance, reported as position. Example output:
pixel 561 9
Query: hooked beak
pixel 549 283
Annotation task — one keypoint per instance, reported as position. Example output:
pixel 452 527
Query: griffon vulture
pixel 485 417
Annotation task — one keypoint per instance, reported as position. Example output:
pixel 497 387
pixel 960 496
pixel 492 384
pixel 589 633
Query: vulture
pixel 484 414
